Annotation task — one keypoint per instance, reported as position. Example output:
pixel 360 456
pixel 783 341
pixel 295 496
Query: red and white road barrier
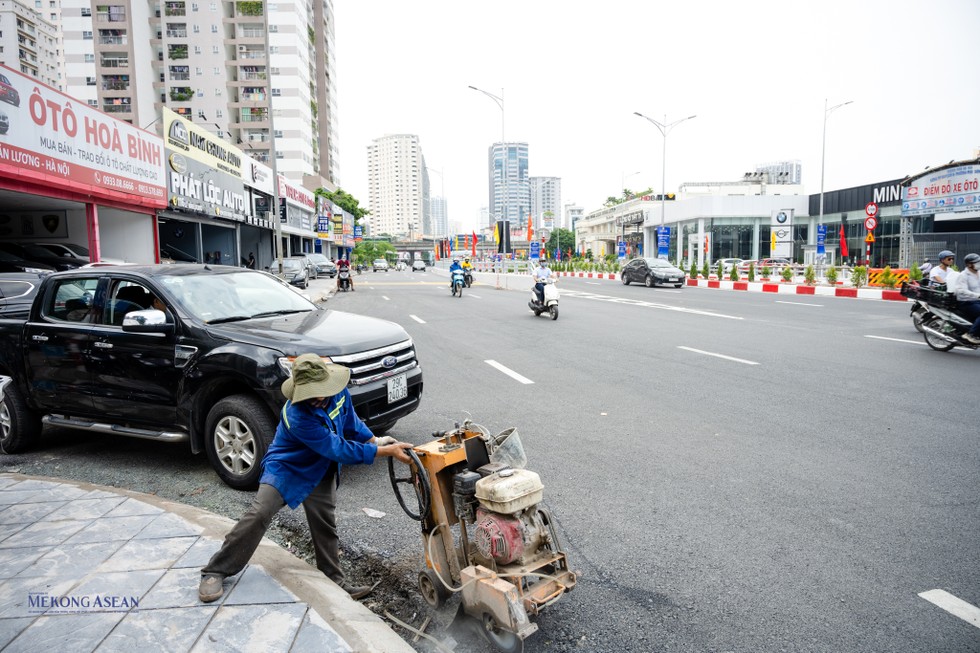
pixel 782 287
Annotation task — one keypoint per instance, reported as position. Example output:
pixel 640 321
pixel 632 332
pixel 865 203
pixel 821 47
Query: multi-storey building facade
pixel 29 41
pixel 545 202
pixel 397 185
pixel 781 172
pixel 261 80
pixel 510 193
pixel 438 218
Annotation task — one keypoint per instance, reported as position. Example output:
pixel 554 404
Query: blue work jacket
pixel 308 440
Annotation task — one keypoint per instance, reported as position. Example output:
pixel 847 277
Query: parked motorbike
pixel 360 268
pixel 942 327
pixel 468 277
pixel 343 280
pixel 550 303
pixel 458 282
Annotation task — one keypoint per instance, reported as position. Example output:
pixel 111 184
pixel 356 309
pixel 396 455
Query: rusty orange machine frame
pixel 501 596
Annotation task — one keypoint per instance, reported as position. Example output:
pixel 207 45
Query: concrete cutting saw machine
pixel 485 533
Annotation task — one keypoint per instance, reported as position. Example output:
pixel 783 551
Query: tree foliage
pixel 563 238
pixel 346 201
pixel 368 250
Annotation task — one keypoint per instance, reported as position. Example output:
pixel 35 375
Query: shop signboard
pixel 324 219
pixel 57 141
pixel 663 241
pixel 203 175
pixel 947 190
pixel 781 234
pixel 300 205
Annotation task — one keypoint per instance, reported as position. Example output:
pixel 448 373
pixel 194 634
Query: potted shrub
pixel 788 273
pixel 751 273
pixel 888 278
pixel 832 275
pixel 704 269
pixel 694 270
pixel 809 276
pixel 733 275
pixel 858 276
pixel 766 272
pixel 915 273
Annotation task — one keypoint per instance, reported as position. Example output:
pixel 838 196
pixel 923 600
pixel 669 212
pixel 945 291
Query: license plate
pixel 669 280
pixel 397 388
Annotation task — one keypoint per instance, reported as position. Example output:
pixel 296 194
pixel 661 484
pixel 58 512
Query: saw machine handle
pixel 418 479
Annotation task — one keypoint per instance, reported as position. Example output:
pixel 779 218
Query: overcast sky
pixel 573 72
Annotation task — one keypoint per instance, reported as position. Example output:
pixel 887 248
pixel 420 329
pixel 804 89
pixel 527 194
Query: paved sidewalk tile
pixel 76 632
pixel 148 554
pixel 256 586
pixel 174 630
pixel 252 629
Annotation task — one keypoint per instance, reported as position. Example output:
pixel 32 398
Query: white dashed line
pixel 417 319
pixel 953 605
pixel 778 301
pixel 385 298
pixel 911 342
pixel 729 358
pixel 509 372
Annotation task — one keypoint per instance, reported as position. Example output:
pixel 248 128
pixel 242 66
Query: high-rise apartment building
pixel 545 202
pixel 398 185
pixel 781 172
pixel 572 215
pixel 438 218
pixel 510 193
pixel 29 42
pixel 236 70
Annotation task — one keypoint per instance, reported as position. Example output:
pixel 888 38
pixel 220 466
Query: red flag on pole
pixel 843 243
pixel 530 229
pixel 474 244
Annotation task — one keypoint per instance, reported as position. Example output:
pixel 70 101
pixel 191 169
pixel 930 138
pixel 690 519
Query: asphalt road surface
pixel 730 471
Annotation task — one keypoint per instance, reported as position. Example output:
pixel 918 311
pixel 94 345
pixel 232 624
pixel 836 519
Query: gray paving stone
pixel 147 554
pixel 28 513
pixel 122 590
pixel 17 594
pixel 174 630
pixel 199 554
pixel 15 561
pixel 252 629
pixel 74 632
pixel 10 497
pixel 70 559
pixel 102 494
pixel 168 525
pixel 177 588
pixel 131 507
pixel 84 509
pixel 316 635
pixel 6 480
pixel 44 534
pixel 10 628
pixel 256 586
pixel 33 485
pixel 108 529
pixel 9 530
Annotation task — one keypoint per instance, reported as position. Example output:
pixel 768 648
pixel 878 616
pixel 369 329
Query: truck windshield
pixel 239 295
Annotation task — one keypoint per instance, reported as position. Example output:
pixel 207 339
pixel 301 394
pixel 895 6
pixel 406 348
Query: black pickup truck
pixel 187 353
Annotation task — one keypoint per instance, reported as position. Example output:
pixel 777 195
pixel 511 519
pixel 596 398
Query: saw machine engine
pixel 485 532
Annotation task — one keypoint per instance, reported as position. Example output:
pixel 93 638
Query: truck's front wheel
pixel 238 433
pixel 20 427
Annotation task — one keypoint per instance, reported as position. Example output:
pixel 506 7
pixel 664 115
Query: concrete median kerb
pixel 361 629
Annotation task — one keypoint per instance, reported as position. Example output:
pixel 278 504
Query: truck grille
pixel 377 364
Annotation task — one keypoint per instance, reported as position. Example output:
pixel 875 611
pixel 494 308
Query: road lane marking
pixel 778 301
pixel 911 342
pixel 593 283
pixel 473 296
pixel 385 298
pixel 417 319
pixel 953 605
pixel 709 353
pixel 509 372
pixel 639 302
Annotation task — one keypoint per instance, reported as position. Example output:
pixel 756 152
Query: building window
pixel 273 49
pixel 93 103
pixel 276 92
pixel 197 28
pixel 87 36
pixel 197 49
pixel 193 6
pixel 214 29
pixel 89 58
pixel 215 49
pixel 217 70
pixel 90 81
pixel 218 113
pixel 200 92
pixel 214 6
pixel 278 133
pixel 86 11
pixel 217 92
pixel 198 71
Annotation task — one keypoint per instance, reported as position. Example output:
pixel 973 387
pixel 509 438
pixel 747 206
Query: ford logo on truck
pixel 389 362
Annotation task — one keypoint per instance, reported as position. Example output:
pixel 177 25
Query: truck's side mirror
pixel 147 321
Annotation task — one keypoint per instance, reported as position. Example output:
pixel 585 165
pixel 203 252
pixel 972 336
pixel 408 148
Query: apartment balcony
pixel 115 63
pixel 176 33
pixel 175 9
pixel 250 54
pixel 110 17
pixel 252 76
pixel 113 40
pixel 115 86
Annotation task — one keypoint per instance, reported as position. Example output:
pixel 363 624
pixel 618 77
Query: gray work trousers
pixel 244 537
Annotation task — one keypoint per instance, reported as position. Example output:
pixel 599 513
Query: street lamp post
pixel 823 148
pixel 664 128
pixel 499 100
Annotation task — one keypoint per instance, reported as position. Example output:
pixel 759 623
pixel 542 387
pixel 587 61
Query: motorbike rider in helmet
pixel 939 273
pixel 541 275
pixel 968 296
pixel 452 268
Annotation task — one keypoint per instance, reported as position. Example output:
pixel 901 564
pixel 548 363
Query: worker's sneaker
pixel 211 587
pixel 358 591
pixel 969 337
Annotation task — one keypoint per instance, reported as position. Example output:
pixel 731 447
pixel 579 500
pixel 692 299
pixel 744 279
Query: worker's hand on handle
pixel 397 450
pixel 383 440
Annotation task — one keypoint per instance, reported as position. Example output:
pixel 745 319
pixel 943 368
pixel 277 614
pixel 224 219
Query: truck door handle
pixel 104 345
pixel 40 338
